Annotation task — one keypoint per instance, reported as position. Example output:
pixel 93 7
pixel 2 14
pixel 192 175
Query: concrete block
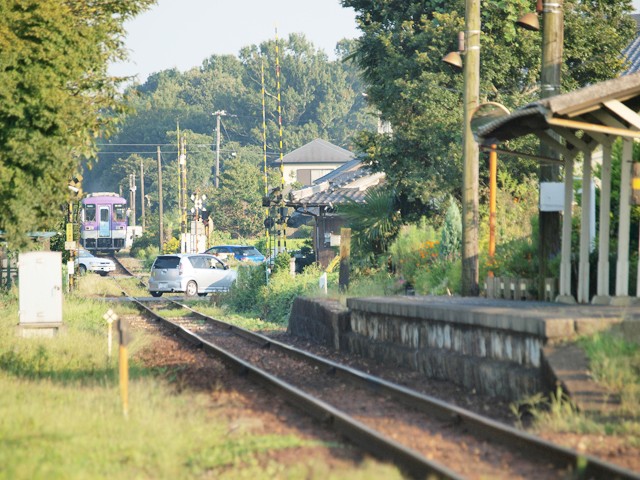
pixel 589 326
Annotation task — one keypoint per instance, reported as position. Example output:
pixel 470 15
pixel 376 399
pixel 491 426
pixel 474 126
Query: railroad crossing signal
pixel 75 185
pixel 110 317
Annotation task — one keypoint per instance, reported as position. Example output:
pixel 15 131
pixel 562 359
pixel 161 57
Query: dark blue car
pixel 242 253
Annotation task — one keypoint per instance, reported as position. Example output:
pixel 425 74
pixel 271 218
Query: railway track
pixel 415 431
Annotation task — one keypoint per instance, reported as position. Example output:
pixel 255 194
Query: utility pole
pixel 183 176
pixel 218 114
pixel 179 167
pixel 132 188
pixel 144 217
pixel 552 48
pixel 160 212
pixel 470 197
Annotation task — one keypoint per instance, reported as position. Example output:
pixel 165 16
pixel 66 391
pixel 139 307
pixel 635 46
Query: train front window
pixel 119 212
pixel 90 213
pixel 104 214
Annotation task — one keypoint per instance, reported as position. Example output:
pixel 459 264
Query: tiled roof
pixel 350 182
pixel 632 52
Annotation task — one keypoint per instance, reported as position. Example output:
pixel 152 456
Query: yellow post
pixel 493 170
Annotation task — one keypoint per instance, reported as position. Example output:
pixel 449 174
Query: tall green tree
pixel 237 204
pixel 400 54
pixel 55 99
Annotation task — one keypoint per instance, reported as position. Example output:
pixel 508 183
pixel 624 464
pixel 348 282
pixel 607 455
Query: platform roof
pixel 602 112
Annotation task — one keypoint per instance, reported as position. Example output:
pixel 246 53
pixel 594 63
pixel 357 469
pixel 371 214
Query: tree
pixel 374 223
pixel 237 205
pixel 55 99
pixel 451 235
pixel 400 55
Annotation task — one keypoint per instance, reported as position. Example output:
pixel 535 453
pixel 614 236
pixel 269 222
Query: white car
pixel 90 263
pixel 190 273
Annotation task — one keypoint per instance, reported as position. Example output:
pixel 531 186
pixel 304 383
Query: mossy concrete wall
pixel 492 346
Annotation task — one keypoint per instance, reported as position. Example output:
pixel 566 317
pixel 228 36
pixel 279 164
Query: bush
pixel 281 263
pixel 414 250
pixel 273 301
pixel 282 290
pixel 171 246
pixel 148 239
pixel 245 295
pixel 442 278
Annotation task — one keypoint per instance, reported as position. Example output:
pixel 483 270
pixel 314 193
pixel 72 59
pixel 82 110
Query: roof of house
pixel 348 182
pixel 317 151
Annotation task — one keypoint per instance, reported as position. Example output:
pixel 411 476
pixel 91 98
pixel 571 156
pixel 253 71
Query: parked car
pixel 190 273
pixel 87 262
pixel 242 253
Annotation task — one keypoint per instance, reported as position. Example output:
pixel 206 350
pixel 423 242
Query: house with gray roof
pixel 347 183
pixel 312 161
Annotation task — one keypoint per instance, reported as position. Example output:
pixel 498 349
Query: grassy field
pixel 61 416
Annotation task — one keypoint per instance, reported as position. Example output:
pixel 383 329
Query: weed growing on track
pixel 615 364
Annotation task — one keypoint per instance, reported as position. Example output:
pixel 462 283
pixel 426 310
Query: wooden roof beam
pixel 593 127
pixel 580 143
pixel 555 144
pixel 624 112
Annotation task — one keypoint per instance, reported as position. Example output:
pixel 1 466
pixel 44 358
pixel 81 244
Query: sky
pixel 183 33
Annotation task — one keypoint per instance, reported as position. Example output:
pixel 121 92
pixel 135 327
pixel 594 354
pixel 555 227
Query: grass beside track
pixel 61 415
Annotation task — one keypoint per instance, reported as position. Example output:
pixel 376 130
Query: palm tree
pixel 374 223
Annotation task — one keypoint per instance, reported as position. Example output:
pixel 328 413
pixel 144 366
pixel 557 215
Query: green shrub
pixel 171 246
pixel 372 283
pixel 245 295
pixel 441 278
pixel 147 239
pixel 282 290
pixel 414 250
pixel 281 263
pixel 271 302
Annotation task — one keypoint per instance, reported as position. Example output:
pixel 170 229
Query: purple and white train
pixel 103 222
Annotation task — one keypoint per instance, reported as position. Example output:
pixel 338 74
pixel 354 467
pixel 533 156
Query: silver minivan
pixel 190 273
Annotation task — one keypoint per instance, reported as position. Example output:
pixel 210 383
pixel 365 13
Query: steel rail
pixel 409 460
pixel 584 465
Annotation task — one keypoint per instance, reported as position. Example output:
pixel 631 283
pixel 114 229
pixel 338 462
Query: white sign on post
pixel 110 317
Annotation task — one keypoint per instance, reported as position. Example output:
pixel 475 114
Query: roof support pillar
pixel 602 296
pixel 585 231
pixel 622 267
pixel 565 265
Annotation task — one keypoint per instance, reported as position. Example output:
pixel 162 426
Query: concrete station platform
pixel 498 347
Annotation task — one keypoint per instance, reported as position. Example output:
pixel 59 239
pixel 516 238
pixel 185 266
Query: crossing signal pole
pixel 218 114
pixel 72 228
pixel 282 222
